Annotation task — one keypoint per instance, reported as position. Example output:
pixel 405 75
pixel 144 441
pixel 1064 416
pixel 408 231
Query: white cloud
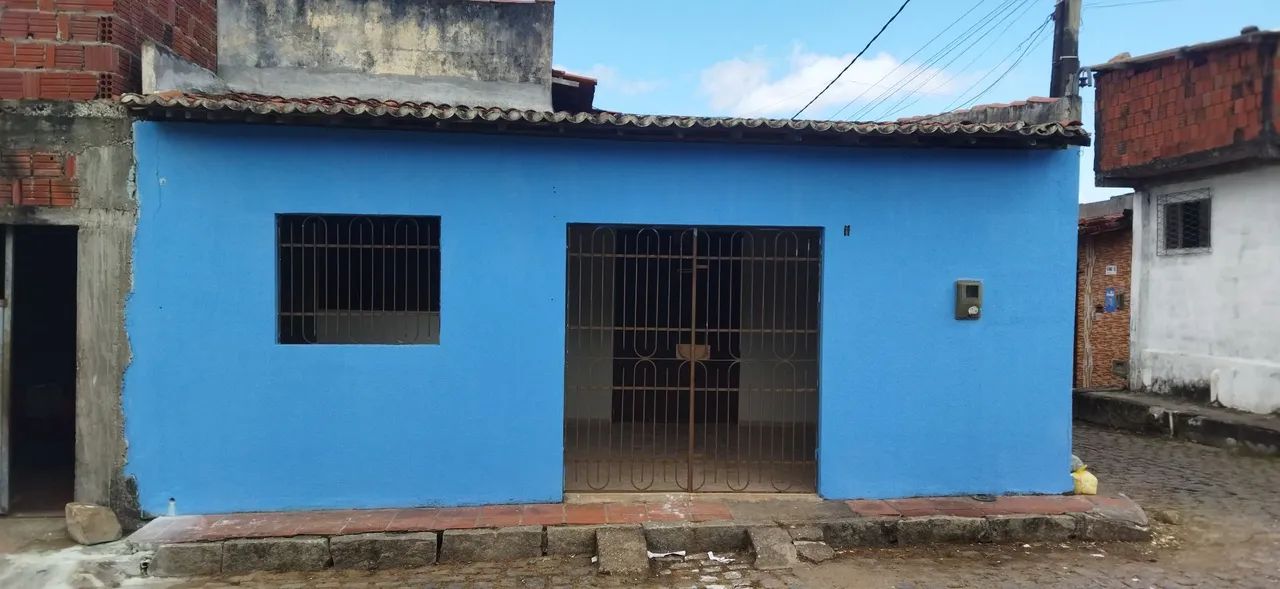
pixel 610 80
pixel 747 86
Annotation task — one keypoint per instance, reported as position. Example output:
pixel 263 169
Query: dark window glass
pixel 358 279
pixel 1186 224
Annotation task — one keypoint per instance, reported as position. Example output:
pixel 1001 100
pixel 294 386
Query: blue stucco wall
pixel 913 402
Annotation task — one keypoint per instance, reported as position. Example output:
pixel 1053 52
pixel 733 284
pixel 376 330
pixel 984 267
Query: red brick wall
pixel 1107 334
pixel 30 177
pixel 86 49
pixel 1176 107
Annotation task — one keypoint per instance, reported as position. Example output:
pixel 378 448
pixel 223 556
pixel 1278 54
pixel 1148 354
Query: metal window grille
pixel 358 279
pixel 1183 220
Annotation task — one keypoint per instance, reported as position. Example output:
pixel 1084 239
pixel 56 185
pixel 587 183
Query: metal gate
pixel 691 358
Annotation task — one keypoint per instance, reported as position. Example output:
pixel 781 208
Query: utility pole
pixel 1066 54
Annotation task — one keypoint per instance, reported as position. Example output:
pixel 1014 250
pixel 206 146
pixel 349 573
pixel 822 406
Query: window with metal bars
pixel 358 279
pixel 1184 222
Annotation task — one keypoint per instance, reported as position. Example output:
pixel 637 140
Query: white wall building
pixel 1206 289
pixel 1195 131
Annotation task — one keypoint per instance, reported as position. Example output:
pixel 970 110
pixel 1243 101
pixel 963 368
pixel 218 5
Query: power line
pixel 855 59
pixel 937 56
pixel 919 68
pixel 908 59
pixel 968 66
pixel 1015 63
pixel 1029 46
pixel 790 97
pixel 959 98
pixel 1119 4
pixel 898 106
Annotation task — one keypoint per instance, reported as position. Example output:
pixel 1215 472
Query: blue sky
pixel 769 57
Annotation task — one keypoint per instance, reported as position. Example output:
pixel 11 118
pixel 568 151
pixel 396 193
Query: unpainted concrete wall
pixel 442 51
pixel 1112 206
pixel 99 135
pixel 1033 111
pixel 1205 323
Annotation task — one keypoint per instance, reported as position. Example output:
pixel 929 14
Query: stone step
pixel 772 547
pixel 622 551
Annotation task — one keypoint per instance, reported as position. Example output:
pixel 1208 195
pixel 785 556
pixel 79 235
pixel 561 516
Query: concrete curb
pixel 1111 519
pixel 1211 426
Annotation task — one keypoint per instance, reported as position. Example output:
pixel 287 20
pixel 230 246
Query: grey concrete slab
pixel 490 544
pixel 858 532
pixel 571 540
pixel 772 547
pixel 721 536
pixel 1103 529
pixel 1170 416
pixel 814 552
pixel 941 529
pixel 787 511
pixel 668 536
pixel 810 532
pixel 192 559
pixel 275 555
pixel 622 551
pixel 383 551
pixel 1003 529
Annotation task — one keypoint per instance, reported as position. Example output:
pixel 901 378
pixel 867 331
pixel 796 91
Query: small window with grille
pixel 358 279
pixel 1184 222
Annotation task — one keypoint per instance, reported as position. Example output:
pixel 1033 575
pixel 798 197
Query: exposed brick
pixel 68 86
pixel 1101 338
pixel 85 5
pixel 41 178
pixel 10 85
pixel 83 28
pixel 22 24
pixel 1208 101
pixel 30 55
pixel 102 58
pixel 44 42
pixel 68 57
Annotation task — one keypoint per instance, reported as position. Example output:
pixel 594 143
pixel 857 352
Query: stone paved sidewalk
pixel 675 508
pixel 1228 536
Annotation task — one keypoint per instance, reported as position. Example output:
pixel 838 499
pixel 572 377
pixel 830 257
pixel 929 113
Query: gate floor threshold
pixel 685 497
pixel 783 511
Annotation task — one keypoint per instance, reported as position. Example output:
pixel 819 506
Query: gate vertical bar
pixel 6 347
pixel 693 346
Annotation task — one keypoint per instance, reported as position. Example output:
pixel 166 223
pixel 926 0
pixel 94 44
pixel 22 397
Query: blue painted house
pixel 370 303
pixel 330 315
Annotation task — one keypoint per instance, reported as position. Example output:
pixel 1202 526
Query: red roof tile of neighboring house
pixel 1106 223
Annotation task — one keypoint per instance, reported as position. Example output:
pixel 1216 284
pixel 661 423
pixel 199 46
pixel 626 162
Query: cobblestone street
pixel 1228 536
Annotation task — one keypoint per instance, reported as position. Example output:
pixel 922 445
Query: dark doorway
pixel 691 358
pixel 42 368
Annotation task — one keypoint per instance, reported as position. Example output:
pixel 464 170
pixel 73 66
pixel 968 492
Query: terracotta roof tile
pixel 620 125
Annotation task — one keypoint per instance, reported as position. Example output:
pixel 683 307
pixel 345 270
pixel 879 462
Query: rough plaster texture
pixel 443 51
pixel 1208 321
pixel 164 70
pixel 1036 110
pixel 912 402
pixel 99 135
